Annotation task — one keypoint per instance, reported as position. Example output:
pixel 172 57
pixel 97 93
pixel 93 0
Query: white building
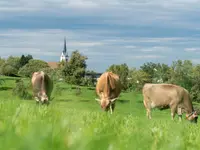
pixel 64 56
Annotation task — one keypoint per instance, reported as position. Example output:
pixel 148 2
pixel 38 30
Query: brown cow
pixel 42 87
pixel 171 96
pixel 108 88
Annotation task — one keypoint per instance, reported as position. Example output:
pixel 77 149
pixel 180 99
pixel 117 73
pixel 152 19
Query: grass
pixel 77 122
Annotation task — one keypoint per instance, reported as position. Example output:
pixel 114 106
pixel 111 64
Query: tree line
pixel 180 72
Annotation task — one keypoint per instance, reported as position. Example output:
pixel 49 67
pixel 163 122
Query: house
pixel 53 65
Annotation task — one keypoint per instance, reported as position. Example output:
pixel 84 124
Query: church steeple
pixel 65 47
pixel 64 55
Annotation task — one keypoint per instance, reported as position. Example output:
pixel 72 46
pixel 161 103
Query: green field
pixel 74 121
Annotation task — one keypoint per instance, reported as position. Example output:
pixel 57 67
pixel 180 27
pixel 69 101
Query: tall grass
pixel 80 124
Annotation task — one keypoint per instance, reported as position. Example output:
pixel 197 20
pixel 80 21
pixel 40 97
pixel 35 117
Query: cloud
pixel 101 50
pixel 108 32
pixel 119 12
pixel 147 56
pixel 192 49
pixel 156 49
pixel 196 61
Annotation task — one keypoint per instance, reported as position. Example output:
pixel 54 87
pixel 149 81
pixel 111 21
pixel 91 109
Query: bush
pixel 33 66
pixel 58 90
pixel 10 66
pixel 21 90
pixel 78 91
pixel 88 82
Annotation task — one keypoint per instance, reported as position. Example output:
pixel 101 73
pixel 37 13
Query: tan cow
pixel 171 96
pixel 42 87
pixel 108 88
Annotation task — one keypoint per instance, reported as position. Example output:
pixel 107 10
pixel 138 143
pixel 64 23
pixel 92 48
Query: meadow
pixel 75 121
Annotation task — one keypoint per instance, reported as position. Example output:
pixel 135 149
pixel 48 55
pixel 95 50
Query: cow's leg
pixel 111 109
pixel 173 111
pixel 37 99
pixel 148 109
pixel 113 106
pixel 179 111
pixel 149 113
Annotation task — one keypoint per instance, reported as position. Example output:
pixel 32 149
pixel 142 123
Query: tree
pixel 149 68
pixel 157 72
pixel 181 73
pixel 195 90
pixel 121 70
pixel 137 79
pixel 74 70
pixel 10 66
pixel 25 59
pixel 90 78
pixel 32 66
pixel 2 61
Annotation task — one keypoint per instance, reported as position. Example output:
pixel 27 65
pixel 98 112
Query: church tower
pixel 64 56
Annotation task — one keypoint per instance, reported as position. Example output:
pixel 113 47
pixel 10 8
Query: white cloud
pixel 114 11
pixel 156 49
pixel 130 46
pixel 193 49
pixel 196 61
pixel 48 44
pixel 147 56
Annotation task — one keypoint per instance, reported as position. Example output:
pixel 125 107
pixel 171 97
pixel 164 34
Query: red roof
pixel 53 65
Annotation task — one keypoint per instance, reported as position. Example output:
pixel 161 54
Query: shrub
pixel 32 66
pixel 21 90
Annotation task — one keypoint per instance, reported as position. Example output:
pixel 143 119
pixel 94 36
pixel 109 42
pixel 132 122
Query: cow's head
pixel 44 98
pixel 192 117
pixel 106 102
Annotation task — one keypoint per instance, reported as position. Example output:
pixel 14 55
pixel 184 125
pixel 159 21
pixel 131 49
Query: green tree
pixel 195 90
pixel 25 59
pixel 137 79
pixel 90 78
pixel 10 66
pixel 32 66
pixel 181 73
pixel 157 72
pixel 54 74
pixel 2 61
pixel 74 70
pixel 121 70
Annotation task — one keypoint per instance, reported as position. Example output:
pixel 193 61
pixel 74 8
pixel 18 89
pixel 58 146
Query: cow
pixel 108 88
pixel 164 96
pixel 42 87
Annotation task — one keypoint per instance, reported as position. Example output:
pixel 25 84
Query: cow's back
pixel 109 83
pixel 42 82
pixel 48 85
pixel 36 80
pixel 162 94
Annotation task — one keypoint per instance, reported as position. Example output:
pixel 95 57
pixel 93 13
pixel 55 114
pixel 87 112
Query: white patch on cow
pixel 153 105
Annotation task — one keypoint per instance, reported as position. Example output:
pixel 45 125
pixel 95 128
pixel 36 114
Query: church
pixel 64 57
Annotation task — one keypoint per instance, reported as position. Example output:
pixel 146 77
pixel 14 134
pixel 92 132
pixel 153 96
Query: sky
pixel 107 32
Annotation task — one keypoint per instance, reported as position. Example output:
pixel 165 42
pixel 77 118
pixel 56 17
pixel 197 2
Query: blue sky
pixel 107 32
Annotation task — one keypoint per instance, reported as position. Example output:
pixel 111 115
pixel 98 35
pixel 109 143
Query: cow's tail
pixel 111 81
pixel 187 100
pixel 43 82
pixel 107 84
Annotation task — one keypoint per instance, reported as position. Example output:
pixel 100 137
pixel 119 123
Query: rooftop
pixel 53 65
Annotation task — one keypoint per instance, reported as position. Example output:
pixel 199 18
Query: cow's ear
pixel 195 112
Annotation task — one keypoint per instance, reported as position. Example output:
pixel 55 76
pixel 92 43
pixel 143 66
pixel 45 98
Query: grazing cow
pixel 42 87
pixel 171 96
pixel 108 88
